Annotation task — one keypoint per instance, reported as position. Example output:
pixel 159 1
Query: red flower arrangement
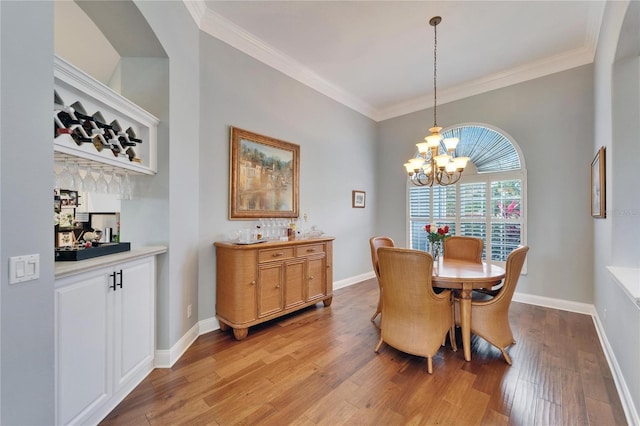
pixel 436 233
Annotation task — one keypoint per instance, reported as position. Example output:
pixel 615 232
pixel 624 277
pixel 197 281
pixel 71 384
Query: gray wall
pixel 236 90
pixel 26 183
pixel 617 100
pixel 550 120
pixel 178 276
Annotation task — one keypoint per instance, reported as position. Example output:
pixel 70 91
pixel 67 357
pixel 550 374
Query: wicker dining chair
pixel 490 319
pixel 375 243
pixel 464 248
pixel 414 320
pixel 468 248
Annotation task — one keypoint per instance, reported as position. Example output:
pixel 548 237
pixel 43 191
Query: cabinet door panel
pixel 134 319
pixel 294 284
pixel 317 287
pixel 270 289
pixel 82 335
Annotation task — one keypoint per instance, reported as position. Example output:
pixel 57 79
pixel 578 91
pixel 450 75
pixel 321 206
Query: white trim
pixel 166 358
pixel 547 302
pixel 217 26
pixel 630 410
pixel 237 37
pixel 353 280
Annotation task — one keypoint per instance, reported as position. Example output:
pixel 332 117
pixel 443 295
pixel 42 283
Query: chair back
pixel 375 243
pixel 414 318
pixel 515 260
pixel 463 248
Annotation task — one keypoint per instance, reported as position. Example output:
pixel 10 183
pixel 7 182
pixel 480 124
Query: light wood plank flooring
pixel 317 367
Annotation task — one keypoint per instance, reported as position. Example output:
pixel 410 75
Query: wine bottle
pixel 132 136
pixel 79 136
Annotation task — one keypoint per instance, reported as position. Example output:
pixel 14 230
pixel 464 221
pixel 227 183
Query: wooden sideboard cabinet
pixel 258 282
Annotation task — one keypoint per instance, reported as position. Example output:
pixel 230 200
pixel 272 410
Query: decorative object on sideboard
pixel 430 167
pixel 264 177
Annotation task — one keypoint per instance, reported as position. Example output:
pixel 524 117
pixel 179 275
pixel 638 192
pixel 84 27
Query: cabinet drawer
pixel 271 255
pixel 309 250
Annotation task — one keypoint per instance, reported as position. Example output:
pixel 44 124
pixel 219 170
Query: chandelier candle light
pixel 430 167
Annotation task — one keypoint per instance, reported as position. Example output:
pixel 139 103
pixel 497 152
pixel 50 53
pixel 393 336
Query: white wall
pixel 615 238
pixel 550 119
pixel 26 188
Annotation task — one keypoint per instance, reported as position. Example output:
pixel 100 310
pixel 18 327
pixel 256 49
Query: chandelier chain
pixel 435 74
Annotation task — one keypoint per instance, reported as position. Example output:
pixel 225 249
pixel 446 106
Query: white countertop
pixel 67 268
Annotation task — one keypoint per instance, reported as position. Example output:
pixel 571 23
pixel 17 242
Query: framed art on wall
pixel 265 176
pixel 358 199
pixel 598 185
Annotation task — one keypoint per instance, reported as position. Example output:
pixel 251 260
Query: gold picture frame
pixel 358 199
pixel 598 185
pixel 264 177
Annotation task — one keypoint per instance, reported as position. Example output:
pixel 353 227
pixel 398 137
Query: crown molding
pixel 237 37
pixel 495 81
pixel 197 9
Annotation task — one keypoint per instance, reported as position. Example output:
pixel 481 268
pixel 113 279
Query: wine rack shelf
pixel 95 124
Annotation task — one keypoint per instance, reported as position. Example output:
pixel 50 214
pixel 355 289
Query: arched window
pixel 489 200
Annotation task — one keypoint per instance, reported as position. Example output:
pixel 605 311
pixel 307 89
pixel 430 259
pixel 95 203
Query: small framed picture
pixel 358 199
pixel 65 239
pixel 598 185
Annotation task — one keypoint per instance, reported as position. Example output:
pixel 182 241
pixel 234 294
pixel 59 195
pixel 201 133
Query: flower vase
pixel 436 249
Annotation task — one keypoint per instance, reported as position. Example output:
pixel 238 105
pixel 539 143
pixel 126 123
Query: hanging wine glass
pixel 88 181
pixel 126 187
pixel 102 186
pixel 114 184
pixel 72 167
pixel 65 178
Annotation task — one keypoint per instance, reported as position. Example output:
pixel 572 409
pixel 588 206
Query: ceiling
pixel 377 56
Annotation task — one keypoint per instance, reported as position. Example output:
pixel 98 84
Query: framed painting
pixel 598 185
pixel 358 199
pixel 265 177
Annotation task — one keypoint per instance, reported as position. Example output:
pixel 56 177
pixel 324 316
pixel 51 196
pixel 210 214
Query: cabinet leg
pixel 240 333
pixel 223 326
pixel 327 302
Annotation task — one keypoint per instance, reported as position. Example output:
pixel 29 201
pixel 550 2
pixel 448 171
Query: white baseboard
pixel 547 302
pixel 630 410
pixel 353 280
pixel 166 358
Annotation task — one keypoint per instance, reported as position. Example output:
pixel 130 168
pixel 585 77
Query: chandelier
pixel 430 167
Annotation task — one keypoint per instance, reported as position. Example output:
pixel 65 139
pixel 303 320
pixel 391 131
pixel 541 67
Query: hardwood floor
pixel 317 367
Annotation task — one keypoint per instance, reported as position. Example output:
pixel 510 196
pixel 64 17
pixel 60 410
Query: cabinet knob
pixel 311 277
pixel 311 250
pixel 278 254
pixel 253 282
pixel 277 285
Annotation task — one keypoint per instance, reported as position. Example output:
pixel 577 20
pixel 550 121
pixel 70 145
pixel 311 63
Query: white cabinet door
pixel 82 334
pixel 134 322
pixel 105 338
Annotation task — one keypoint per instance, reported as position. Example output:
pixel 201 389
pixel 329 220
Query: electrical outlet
pixel 189 311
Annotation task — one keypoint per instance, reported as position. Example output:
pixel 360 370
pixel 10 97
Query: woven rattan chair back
pixel 375 243
pixel 463 248
pixel 415 320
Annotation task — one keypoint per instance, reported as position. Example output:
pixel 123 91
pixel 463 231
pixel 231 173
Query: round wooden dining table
pixel 465 276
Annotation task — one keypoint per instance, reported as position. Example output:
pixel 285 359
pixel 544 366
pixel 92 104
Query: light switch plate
pixel 24 268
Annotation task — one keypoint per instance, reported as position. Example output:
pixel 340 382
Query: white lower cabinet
pixel 105 338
